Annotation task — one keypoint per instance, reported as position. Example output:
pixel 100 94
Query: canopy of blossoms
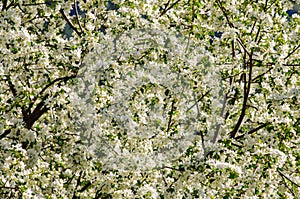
pixel 149 99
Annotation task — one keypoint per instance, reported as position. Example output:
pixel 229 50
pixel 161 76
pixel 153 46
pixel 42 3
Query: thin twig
pixel 287 186
pixel 69 22
pixel 47 86
pixel 259 76
pixel 171 114
pixel 198 116
pixel 38 4
pixel 77 16
pixel 216 135
pixel 257 35
pixel 232 26
pixel 252 131
pixel 294 183
pixel 168 8
pixel 77 184
pixel 292 52
pixel 205 94
pixel 219 125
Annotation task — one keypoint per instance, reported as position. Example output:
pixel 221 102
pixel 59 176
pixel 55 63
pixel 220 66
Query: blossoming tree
pixel 149 99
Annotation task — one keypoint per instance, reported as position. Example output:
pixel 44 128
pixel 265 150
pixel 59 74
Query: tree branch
pixel 225 97
pixel 77 17
pixel 30 117
pixel 252 131
pixel 5 133
pixel 231 25
pixel 65 79
pixel 292 52
pixel 5 6
pixel 205 94
pixel 39 110
pixel 12 87
pixel 198 116
pixel 168 8
pixel 247 88
pixel 259 76
pixel 219 125
pixel 171 113
pixel 69 22
pixel 283 175
pixel 4 2
pixel 77 185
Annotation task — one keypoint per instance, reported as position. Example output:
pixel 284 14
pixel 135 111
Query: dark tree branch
pixel 257 35
pixel 287 186
pixel 69 180
pixel 283 175
pixel 270 64
pixel 31 117
pixel 233 49
pixel 292 52
pixel 172 168
pixel 12 87
pixel 252 29
pixel 266 6
pixel 77 185
pixel 225 14
pixel 198 116
pixel 34 4
pixel 77 17
pixel 291 64
pixel 219 125
pixel 166 6
pixel 236 145
pixel 69 22
pixel 85 187
pixel 5 133
pixel 29 21
pixel 48 2
pixel 225 97
pixel 232 26
pixel 171 114
pixel 252 131
pixel 290 76
pixel 197 101
pixel 259 76
pixel 247 88
pixel 166 9
pixel 4 5
pixel 64 79
pixel 39 110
